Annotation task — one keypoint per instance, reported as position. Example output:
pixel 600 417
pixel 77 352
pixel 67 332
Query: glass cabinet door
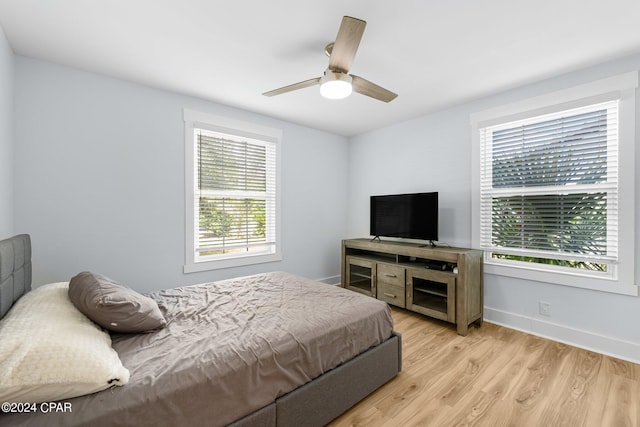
pixel 432 293
pixel 361 275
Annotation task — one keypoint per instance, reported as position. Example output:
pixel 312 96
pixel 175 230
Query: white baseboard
pixel 333 280
pixel 609 346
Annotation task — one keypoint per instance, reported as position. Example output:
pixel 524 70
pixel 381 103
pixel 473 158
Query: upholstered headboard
pixel 15 270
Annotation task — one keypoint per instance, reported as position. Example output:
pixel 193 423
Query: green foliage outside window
pixel 573 223
pixel 231 220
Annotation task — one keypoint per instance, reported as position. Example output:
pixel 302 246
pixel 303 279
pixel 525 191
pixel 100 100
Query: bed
pixel 272 349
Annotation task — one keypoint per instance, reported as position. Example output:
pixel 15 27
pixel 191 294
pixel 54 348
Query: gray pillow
pixel 112 306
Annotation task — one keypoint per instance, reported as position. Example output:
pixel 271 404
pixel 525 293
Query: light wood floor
pixel 497 376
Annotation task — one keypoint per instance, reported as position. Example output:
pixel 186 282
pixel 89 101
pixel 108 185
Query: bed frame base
pixel 328 396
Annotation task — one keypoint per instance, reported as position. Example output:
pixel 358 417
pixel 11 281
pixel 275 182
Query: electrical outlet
pixel 545 308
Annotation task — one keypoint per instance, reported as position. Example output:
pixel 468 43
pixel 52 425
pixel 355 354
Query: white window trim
pixel 234 127
pixel 622 87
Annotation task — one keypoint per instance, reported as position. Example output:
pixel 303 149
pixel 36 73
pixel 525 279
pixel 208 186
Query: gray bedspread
pixel 230 348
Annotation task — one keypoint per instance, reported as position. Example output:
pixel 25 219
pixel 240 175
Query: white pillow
pixel 51 351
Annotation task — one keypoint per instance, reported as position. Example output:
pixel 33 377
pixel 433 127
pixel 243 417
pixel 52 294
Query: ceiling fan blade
pixel 365 87
pixel 346 44
pixel 295 86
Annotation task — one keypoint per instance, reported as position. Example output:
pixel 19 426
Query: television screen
pixel 412 216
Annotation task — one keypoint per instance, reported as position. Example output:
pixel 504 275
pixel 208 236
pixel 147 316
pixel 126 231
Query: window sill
pixel 194 267
pixel 601 284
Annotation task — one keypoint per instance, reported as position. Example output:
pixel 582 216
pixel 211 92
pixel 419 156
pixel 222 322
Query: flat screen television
pixel 411 216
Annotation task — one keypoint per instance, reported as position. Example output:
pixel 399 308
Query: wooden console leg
pixel 463 329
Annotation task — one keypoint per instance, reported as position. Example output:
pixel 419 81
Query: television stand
pixel 403 274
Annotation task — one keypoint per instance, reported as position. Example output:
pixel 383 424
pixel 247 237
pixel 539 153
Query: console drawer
pixel 391 274
pixel 391 294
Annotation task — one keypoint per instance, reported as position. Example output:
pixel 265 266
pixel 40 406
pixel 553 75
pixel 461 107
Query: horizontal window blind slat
pixel 552 255
pixel 559 131
pixel 567 115
pixel 228 247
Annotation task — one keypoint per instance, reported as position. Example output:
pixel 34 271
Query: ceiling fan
pixel 337 83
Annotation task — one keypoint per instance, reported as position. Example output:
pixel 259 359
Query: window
pixel 550 189
pixel 232 201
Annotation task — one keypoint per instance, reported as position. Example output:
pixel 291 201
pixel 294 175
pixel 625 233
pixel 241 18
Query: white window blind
pixel 549 189
pixel 235 196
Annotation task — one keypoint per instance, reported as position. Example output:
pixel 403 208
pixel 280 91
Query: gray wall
pixel 99 181
pixel 6 137
pixel 433 153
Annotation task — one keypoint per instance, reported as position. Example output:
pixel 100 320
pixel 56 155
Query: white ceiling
pixel 433 53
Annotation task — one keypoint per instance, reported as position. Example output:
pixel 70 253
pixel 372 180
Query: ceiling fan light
pixel 335 85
